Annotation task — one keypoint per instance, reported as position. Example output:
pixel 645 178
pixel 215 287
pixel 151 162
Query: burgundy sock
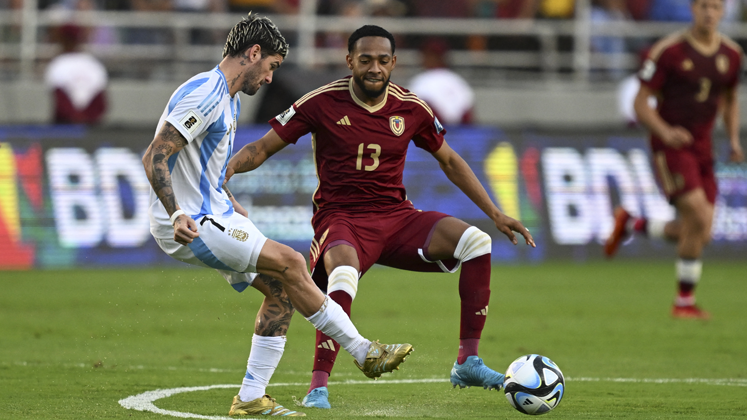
pixel 467 348
pixel 474 292
pixel 640 225
pixel 318 379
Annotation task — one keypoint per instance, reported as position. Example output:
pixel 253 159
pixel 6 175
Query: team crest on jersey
pixel 722 63
pixel 238 234
pixel 687 64
pixel 286 116
pixel 397 124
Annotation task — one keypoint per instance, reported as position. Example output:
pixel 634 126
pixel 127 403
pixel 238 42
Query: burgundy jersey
pixel 689 82
pixel 359 150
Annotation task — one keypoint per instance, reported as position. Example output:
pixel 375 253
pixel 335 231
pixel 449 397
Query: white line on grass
pixel 144 401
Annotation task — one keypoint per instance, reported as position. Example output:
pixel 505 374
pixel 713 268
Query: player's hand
pixel 229 174
pixel 677 137
pixel 736 154
pixel 185 229
pixel 508 226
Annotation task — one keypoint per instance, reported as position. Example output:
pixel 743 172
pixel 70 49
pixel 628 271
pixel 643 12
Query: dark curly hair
pixel 369 30
pixel 252 30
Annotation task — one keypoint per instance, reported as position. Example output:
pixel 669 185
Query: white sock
pixel 655 228
pixel 263 359
pixel 333 321
pixel 689 270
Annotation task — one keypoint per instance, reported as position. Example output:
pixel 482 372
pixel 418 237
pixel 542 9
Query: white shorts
pixel 230 244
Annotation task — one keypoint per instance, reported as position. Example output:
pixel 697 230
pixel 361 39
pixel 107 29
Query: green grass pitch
pixel 73 343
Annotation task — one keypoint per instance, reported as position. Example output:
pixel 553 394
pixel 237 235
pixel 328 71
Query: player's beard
pixel 368 92
pixel 251 83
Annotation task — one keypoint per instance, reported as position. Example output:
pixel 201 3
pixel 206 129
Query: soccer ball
pixel 534 384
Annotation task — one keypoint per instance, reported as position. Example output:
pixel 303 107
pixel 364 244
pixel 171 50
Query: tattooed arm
pixel 236 205
pixel 155 161
pixel 251 156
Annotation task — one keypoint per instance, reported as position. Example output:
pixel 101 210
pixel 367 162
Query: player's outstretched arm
pixel 459 173
pixel 155 161
pixel 254 154
pixel 731 123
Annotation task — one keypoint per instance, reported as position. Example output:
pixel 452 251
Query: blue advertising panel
pixel 72 197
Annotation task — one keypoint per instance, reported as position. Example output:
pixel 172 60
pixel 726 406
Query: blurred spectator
pixel 603 11
pixel 140 35
pixel 734 10
pixel 558 9
pixel 198 35
pixel 505 9
pixel 264 6
pixel 77 81
pixel 11 32
pixel 638 9
pixel 64 10
pixel 442 8
pixel 450 97
pixel 670 11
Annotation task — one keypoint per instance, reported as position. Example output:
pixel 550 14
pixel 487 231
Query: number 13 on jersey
pixel 374 155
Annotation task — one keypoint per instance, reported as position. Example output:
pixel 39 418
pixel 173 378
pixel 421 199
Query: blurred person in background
pixel 450 96
pixel 670 11
pixel 64 11
pixel 604 11
pixel 557 9
pixel 77 80
pixel 202 36
pixel 195 219
pixel 264 6
pixel 695 74
pixel 149 35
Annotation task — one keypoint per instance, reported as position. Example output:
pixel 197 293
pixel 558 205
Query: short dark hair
pixel 369 30
pixel 255 30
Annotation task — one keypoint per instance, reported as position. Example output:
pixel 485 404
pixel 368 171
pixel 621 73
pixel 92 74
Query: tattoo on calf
pixel 274 318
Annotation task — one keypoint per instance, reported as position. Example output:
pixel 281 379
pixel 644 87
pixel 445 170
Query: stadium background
pixel 549 139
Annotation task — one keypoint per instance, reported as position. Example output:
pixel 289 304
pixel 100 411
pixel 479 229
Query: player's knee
pixel 343 278
pixel 473 243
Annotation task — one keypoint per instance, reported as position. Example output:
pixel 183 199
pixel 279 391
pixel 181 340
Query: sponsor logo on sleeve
pixel 191 122
pixel 647 71
pixel 286 116
pixel 437 123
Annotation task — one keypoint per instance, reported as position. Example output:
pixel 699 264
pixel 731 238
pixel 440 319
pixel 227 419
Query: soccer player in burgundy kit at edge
pixel 361 127
pixel 693 73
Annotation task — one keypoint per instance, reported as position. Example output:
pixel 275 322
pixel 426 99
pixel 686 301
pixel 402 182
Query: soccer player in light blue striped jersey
pixel 195 219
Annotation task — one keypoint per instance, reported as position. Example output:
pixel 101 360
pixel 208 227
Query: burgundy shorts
pixel 679 171
pixel 396 238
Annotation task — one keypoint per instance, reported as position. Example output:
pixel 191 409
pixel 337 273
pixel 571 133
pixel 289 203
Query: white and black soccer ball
pixel 534 384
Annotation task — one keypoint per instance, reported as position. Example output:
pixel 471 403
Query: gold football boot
pixel 265 406
pixel 383 358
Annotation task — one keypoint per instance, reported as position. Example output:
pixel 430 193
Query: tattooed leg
pixel 274 317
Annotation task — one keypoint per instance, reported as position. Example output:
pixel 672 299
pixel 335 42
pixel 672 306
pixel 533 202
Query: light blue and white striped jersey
pixel 205 114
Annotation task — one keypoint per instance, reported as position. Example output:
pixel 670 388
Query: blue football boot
pixel 317 398
pixel 473 372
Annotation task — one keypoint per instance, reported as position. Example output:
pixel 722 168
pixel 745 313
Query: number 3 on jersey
pixel 705 90
pixel 374 155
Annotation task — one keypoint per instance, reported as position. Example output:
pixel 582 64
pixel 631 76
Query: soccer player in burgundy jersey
pixel 361 127
pixel 694 73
